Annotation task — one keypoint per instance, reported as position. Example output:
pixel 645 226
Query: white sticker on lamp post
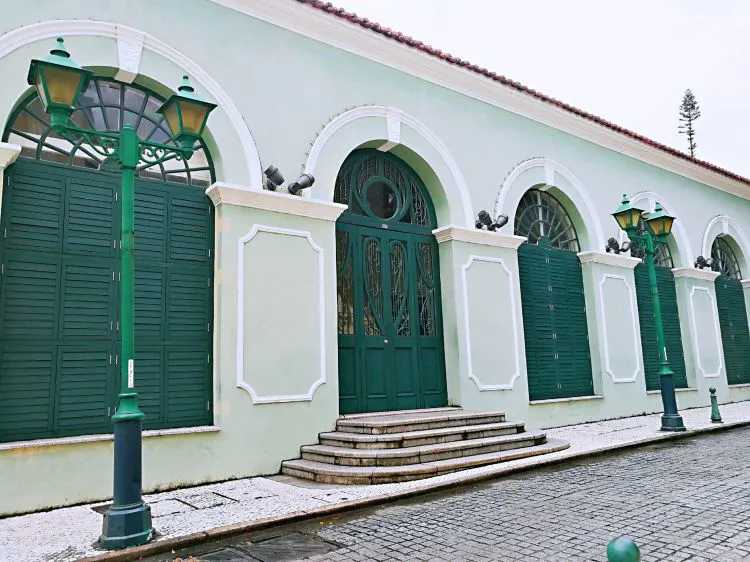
pixel 131 373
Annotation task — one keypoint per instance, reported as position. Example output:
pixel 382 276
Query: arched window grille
pixel 540 215
pixel 383 189
pixel 724 259
pixel 106 105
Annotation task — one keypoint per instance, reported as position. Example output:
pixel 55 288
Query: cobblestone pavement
pixel 680 500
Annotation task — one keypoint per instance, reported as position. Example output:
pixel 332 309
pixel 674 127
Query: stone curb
pixel 225 531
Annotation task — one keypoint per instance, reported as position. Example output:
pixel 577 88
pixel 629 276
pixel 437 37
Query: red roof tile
pixel 409 41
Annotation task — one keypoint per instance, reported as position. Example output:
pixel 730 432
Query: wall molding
pixel 222 193
pixel 634 318
pixel 8 154
pixel 129 54
pixel 241 382
pixel 330 30
pixel 393 121
pixel 467 321
pixel 695 273
pixel 512 190
pixel 724 225
pixel 615 260
pixel 717 332
pixel 476 236
pixel 130 37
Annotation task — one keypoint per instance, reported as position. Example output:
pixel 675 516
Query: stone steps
pixel 418 438
pixel 403 446
pixel 398 423
pixel 337 474
pixel 420 454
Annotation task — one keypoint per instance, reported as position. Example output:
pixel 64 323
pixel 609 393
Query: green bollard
pixel 715 415
pixel 623 549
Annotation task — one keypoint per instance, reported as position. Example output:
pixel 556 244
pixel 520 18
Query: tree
pixel 690 111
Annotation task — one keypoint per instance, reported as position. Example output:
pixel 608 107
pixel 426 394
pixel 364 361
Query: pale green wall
pixel 287 88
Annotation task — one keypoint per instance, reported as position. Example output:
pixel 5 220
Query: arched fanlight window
pixel 106 105
pixel 724 260
pixel 541 216
pixel 382 189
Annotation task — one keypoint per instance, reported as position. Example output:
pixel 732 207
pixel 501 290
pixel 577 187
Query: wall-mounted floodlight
pixel 302 182
pixel 486 222
pixel 273 178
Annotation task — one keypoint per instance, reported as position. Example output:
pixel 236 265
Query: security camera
pixel 273 178
pixel 302 182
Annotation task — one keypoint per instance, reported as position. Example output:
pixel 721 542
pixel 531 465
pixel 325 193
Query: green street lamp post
pixel 59 82
pixel 658 225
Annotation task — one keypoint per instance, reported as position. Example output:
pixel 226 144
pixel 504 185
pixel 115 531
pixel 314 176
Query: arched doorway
pixel 669 313
pixel 59 289
pixel 388 282
pixel 730 301
pixel 558 359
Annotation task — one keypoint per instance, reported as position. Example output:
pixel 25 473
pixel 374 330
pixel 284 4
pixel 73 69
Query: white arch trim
pixel 542 170
pixel 49 29
pixel 686 253
pixel 394 119
pixel 725 225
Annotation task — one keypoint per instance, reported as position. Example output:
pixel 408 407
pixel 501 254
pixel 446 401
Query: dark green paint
pixel 59 304
pixel 391 353
pixel 671 322
pixel 558 358
pixel 730 300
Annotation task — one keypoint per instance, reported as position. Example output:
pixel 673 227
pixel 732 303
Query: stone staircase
pixel 409 445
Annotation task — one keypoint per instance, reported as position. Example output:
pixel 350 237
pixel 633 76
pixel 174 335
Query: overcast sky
pixel 628 62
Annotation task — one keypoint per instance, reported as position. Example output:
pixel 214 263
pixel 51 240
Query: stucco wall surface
pixel 304 105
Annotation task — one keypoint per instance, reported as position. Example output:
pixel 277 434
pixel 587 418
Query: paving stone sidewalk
pixel 684 500
pixel 70 533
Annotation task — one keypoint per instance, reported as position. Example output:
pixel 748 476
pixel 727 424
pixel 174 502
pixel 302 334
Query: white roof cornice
pixel 326 28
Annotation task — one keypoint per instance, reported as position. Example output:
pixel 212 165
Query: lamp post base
pixel 672 422
pixel 127 522
pixel 126 525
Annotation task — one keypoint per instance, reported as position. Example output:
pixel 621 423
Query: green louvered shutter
pixel 174 304
pixel 671 319
pixel 735 338
pixel 536 302
pixel 571 328
pixel 555 328
pixel 57 298
pixel 59 302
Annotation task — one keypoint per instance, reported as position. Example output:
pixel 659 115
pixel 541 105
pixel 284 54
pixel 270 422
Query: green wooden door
pixel 391 343
pixel 558 359
pixel 59 299
pixel 735 338
pixel 389 317
pixel 671 318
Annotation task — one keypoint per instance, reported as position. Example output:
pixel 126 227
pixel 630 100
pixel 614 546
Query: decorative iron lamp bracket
pixel 107 145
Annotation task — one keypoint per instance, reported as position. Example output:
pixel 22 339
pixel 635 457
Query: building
pixel 262 315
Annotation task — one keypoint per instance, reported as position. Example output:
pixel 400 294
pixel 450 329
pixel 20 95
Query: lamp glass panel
pixel 660 226
pixel 628 218
pixel 622 220
pixel 41 90
pixel 173 118
pixel 635 217
pixel 62 84
pixel 193 117
pixel 666 225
